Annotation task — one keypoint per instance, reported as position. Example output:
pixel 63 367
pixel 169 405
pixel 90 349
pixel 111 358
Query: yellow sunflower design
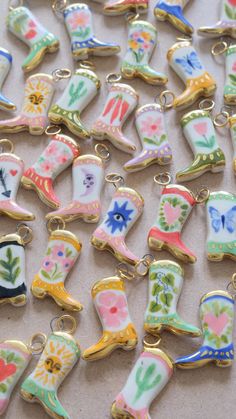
pixel 36 93
pixel 58 357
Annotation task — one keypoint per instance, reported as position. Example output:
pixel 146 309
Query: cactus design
pixel 76 92
pixel 145 383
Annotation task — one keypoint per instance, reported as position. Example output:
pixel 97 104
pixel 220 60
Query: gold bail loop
pixel 219 48
pixel 113 78
pixel 115 178
pixel 163 178
pixel 67 324
pixel 55 223
pixel 131 16
pixel 142 266
pixel 184 38
pixel 87 65
pixel 9 145
pixel 231 287
pixel 206 105
pixel 58 6
pixel 124 271
pixel 52 130
pixel 102 151
pixel 61 73
pixel 221 119
pixel 166 99
pixel 14 4
pixel 150 345
pixel 25 232
pixel 202 195
pixel 37 343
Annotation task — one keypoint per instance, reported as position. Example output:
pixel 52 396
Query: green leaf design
pixel 224 339
pixel 153 276
pixel 3 388
pixel 166 298
pixel 150 141
pixel 169 279
pixel 154 307
pixel 10 357
pixel 156 289
pixel 76 92
pixel 82 33
pixel 68 252
pixel 19 23
pixel 163 138
pixel 9 274
pixel 45 274
pixel 229 12
pixel 232 79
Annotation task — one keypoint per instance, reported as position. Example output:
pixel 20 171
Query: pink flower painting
pixel 112 308
pixel 151 126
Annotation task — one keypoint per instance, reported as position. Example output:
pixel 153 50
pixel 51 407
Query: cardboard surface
pixel 90 389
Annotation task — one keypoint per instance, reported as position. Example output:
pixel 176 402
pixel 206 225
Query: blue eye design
pixel 118 217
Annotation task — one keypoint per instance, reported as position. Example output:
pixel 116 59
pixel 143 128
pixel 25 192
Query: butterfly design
pixel 189 62
pixel 225 221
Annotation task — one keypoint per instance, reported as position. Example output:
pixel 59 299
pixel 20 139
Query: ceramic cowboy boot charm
pixel 226 26
pixel 121 101
pixel 11 169
pixel 88 179
pixel 217 318
pixel 57 156
pixel 150 374
pixel 23 24
pixel 186 63
pixel 5 65
pixel 39 90
pixel 119 7
pixel 80 91
pixel 61 254
pixel 111 304
pixel 172 11
pixel 165 285
pixel 142 39
pixel 14 359
pixel 59 356
pixel 230 80
pixel 221 226
pixel 175 206
pixel 12 266
pixel 151 126
pixel 200 133
pixel 79 23
pixel 124 210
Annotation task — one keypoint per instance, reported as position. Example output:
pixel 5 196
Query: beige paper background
pixel 90 389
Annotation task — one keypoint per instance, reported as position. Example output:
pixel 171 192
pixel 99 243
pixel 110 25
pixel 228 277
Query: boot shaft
pixel 38 93
pixel 11 170
pixel 199 130
pixel 12 261
pixel 125 208
pixel 14 358
pixel 79 24
pixel 23 24
pixel 5 64
pixel 185 61
pixel 149 376
pixel 175 206
pixel 88 178
pixel 221 216
pixel 151 126
pixel 230 82
pixel 232 124
pixel 217 317
pixel 80 91
pixel 111 304
pixel 228 11
pixel 121 101
pixel 57 156
pixel 61 254
pixel 165 284
pixel 142 38
pixel 58 358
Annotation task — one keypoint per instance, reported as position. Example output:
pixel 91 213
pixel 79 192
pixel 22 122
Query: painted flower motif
pixel 67 264
pixel 201 128
pixel 151 126
pixel 47 166
pixel 58 252
pixel 232 3
pixel 112 308
pixel 47 264
pixel 51 149
pixel 140 42
pixel 234 67
pixel 79 19
pixel 146 36
pixel 63 158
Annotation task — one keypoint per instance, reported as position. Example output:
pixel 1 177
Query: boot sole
pixel 155 81
pixel 39 56
pixel 218 257
pixel 79 132
pixel 33 130
pixel 30 185
pixel 156 330
pixel 121 9
pixel 203 92
pixel 84 53
pixel 102 245
pixel 41 294
pixel 69 218
pixel 182 177
pixel 192 365
pixel 178 24
pixel 120 413
pixel 18 216
pixel 148 162
pixel 158 245
pixel 104 135
pixel 217 33
pixel 18 301
pixel 31 398
pixel 106 352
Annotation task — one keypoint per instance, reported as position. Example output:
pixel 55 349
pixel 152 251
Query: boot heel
pixel 155 244
pixel 53 47
pixel 29 397
pixel 223 363
pixel 209 91
pixel 38 292
pixel 36 130
pixel 98 243
pixel 18 301
pixel 130 344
